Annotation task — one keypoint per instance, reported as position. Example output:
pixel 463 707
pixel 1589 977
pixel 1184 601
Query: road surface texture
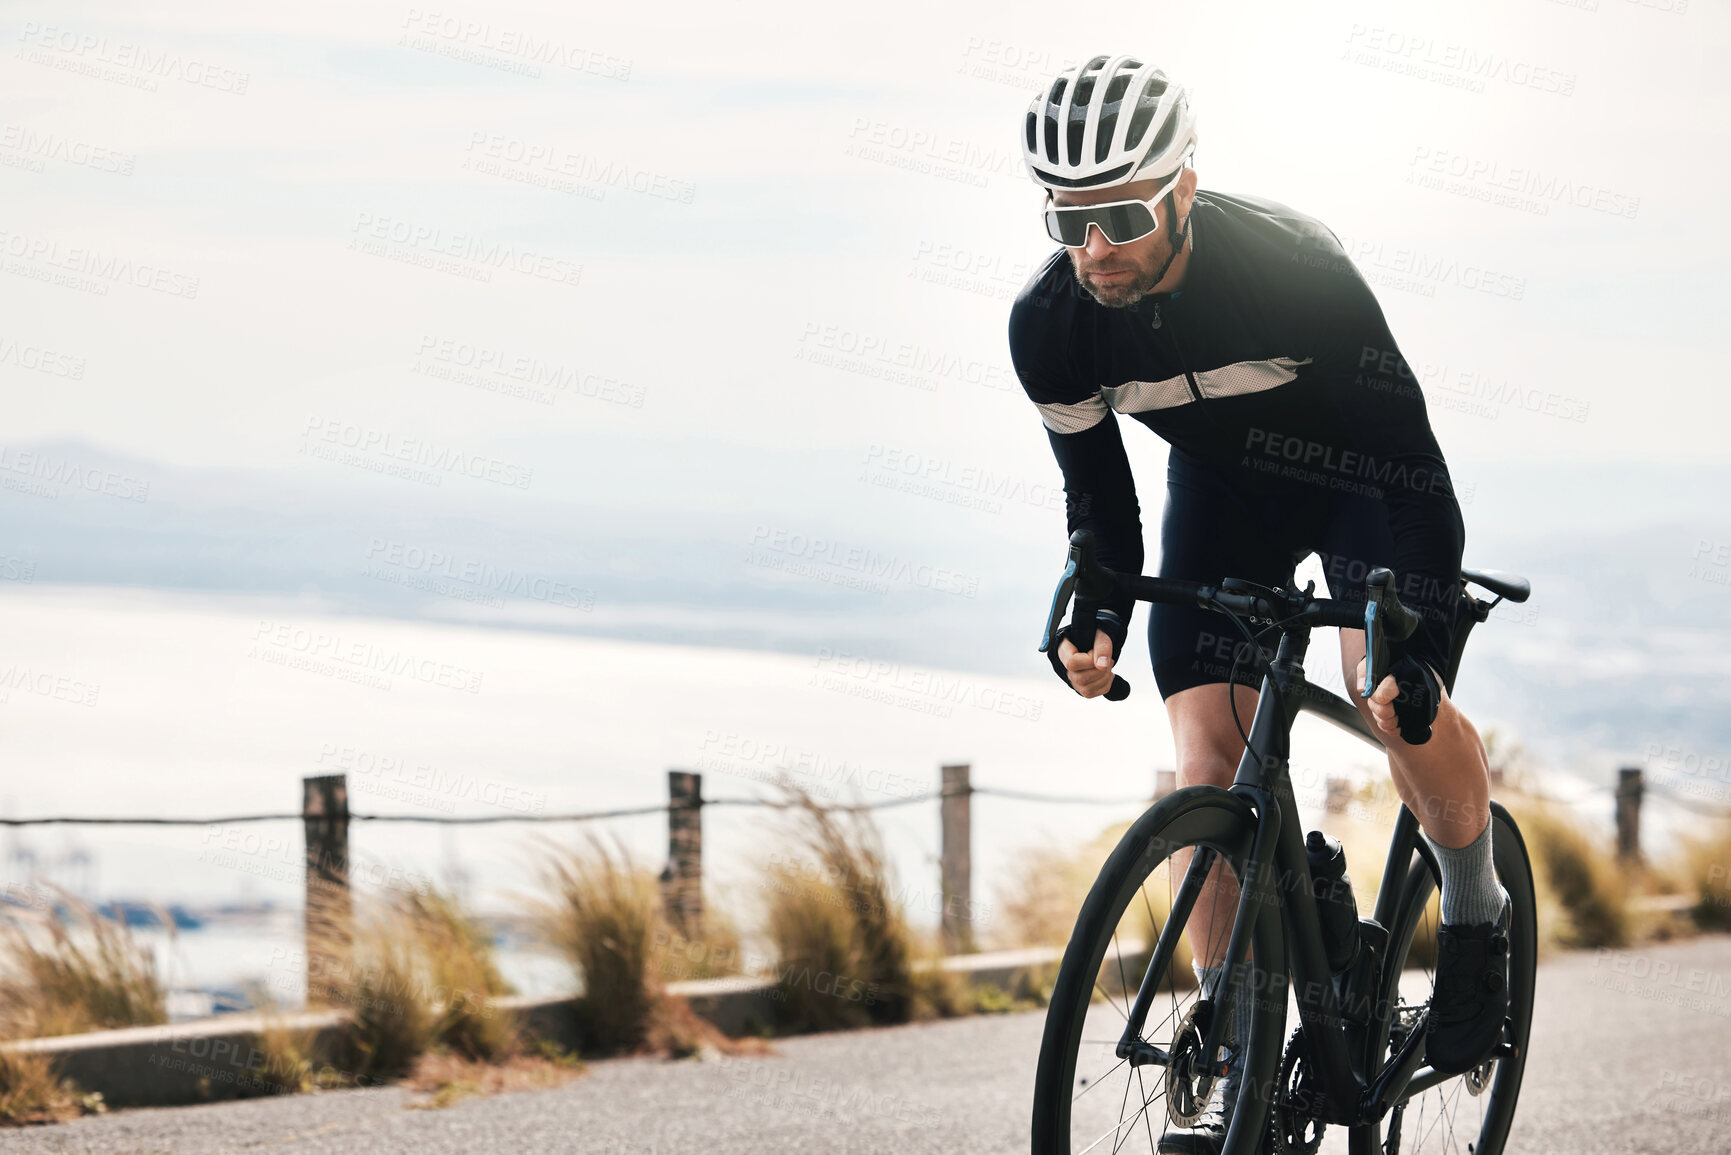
pixel 1631 1053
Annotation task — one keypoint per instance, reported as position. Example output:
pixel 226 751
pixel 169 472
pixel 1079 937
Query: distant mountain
pixel 1624 646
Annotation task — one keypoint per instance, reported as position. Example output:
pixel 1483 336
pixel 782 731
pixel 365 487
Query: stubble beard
pixel 1122 296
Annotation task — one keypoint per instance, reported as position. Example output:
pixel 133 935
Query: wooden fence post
pixel 1629 790
pixel 330 908
pixel 1338 796
pixel 956 867
pixel 682 881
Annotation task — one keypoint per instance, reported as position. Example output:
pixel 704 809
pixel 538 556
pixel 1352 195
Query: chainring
pixel 1298 1100
pixel 1189 1080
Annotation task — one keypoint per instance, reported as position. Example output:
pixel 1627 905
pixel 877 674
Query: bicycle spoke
pixel 1125 1099
pixel 1098 1081
pixel 1148 1126
pixel 1123 983
pixel 1114 1130
pixel 1107 999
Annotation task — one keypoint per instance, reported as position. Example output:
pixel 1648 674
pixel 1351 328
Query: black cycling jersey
pixel 1273 369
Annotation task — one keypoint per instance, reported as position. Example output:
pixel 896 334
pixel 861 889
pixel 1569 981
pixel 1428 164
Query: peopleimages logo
pixel 1263 447
pixel 88 53
pixel 41 146
pixel 1518 180
pixel 103 266
pixel 412 243
pixel 350 444
pixel 539 377
pixel 47 470
pixel 41 360
pixel 809 556
pixel 286 638
pixel 903 362
pixel 556 161
pixel 483 575
pixel 461 38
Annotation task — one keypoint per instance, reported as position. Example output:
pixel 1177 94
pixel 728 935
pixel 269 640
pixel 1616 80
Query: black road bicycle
pixel 1131 1045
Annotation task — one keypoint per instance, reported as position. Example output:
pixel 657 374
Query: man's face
pixel 1118 276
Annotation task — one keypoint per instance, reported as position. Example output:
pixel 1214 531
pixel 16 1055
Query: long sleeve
pixel 1099 488
pixel 1382 416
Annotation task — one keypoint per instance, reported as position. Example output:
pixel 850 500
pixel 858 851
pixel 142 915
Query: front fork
pixel 1258 882
pixel 1131 1045
pixel 1262 781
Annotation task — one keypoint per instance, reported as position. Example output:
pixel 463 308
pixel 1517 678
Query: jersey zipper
pixel 1178 351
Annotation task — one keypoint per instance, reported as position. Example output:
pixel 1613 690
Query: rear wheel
pixel 1086 1098
pixel 1470 1112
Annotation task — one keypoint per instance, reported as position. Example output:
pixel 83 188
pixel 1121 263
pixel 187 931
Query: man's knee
pixel 1212 767
pixel 1206 737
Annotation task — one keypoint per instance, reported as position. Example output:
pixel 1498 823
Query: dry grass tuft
pixel 31 1093
pixel 420 975
pixel 1588 894
pixel 1707 877
pixel 844 951
pixel 465 978
pixel 1038 903
pixel 717 954
pixel 605 917
pixel 83 973
pixel 1041 898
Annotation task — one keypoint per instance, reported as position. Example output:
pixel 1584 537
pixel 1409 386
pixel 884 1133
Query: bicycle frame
pixel 1357 1089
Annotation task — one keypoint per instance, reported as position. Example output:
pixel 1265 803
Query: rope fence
pixel 584 816
pixel 325 816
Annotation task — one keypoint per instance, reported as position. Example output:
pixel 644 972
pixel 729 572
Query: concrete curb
pixel 194 1062
pixel 224 1058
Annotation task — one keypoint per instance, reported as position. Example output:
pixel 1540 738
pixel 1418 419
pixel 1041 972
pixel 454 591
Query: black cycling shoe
pixel 1471 999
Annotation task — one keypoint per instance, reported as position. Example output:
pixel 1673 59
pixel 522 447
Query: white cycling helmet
pixel 1108 121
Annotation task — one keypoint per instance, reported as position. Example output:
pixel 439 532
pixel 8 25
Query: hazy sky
pixel 722 264
pixel 684 213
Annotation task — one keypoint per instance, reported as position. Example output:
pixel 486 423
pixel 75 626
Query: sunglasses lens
pixel 1126 223
pixel 1065 228
pixel 1122 223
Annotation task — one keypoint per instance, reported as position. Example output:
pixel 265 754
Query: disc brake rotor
pixel 1189 1080
pixel 1480 1077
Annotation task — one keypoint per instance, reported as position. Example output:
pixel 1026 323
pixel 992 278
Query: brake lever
pixel 1385 619
pixel 1089 585
pixel 1376 657
pixel 1060 602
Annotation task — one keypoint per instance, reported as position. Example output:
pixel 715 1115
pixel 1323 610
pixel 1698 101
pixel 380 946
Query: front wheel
pixel 1086 1098
pixel 1470 1112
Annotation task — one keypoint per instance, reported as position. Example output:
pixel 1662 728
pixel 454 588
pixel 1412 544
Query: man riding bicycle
pixel 1238 331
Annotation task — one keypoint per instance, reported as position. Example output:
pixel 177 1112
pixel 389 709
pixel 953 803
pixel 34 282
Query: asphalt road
pixel 1631 1054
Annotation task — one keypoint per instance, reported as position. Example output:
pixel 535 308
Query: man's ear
pixel 1185 192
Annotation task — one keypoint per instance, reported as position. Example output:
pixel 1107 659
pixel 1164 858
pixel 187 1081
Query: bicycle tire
pixel 1191 817
pixel 1436 1132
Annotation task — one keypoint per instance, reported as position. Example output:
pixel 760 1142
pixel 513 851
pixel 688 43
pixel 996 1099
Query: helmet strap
pixel 1183 235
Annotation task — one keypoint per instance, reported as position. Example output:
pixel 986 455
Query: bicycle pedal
pixel 1506 1048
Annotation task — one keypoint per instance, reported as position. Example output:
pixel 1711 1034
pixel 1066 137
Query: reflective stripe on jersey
pixel 1143 396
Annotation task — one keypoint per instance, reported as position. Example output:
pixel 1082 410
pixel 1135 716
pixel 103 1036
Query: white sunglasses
pixel 1120 222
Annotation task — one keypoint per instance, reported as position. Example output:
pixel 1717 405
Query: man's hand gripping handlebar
pixel 1089 584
